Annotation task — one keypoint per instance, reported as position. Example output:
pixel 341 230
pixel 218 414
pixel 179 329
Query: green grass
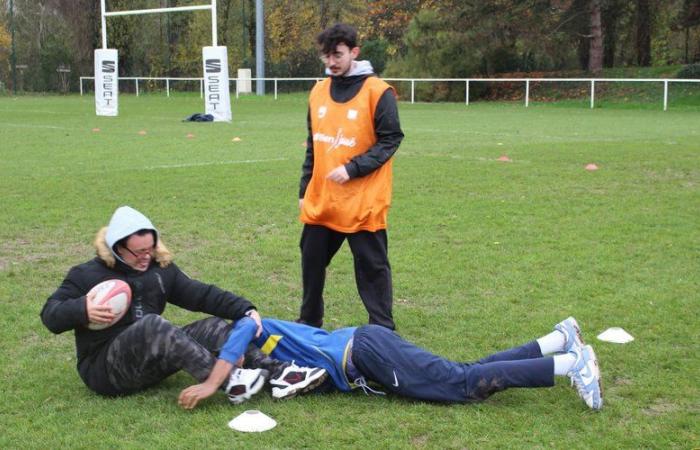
pixel 485 254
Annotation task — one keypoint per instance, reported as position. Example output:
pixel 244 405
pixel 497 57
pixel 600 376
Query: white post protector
pixel 217 100
pixel 106 82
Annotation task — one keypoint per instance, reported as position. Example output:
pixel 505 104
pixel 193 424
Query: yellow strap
pixel 271 343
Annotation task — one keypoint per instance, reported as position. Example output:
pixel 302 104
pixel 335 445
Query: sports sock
pixel 563 363
pixel 552 342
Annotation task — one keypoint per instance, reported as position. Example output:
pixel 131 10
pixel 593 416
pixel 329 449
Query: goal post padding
pixel 106 82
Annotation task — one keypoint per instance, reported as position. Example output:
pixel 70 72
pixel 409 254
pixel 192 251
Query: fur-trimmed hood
pixel 161 254
pixel 124 222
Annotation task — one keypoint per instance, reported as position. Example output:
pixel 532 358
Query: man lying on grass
pixel 142 348
pixel 355 356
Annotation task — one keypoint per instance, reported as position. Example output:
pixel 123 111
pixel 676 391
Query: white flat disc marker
pixel 616 335
pixel 251 421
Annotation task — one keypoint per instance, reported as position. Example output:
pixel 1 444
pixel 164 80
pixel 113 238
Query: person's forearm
pixel 219 373
pixel 307 167
pixel 191 396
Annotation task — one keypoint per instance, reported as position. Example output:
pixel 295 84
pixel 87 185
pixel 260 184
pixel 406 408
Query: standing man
pixel 345 188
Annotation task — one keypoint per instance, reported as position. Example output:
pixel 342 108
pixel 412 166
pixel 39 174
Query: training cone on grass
pixel 504 158
pixel 143 133
pixel 189 136
pixel 591 167
pixel 236 139
pixel 95 130
pixel 251 421
pixel 615 335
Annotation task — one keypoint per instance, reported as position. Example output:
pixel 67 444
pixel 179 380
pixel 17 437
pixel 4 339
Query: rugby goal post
pixel 217 99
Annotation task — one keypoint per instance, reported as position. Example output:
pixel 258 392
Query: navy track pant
pixel 405 369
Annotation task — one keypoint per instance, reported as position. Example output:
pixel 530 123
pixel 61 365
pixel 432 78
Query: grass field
pixel 485 254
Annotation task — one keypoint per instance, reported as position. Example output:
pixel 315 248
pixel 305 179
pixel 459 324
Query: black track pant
pixel 372 272
pixel 152 349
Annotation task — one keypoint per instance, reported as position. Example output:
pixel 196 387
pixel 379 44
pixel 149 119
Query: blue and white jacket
pixel 308 346
pixel 290 341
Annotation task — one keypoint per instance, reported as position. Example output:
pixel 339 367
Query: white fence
pixel 468 82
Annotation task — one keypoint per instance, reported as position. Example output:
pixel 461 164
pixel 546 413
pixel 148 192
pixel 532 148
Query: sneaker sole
pixel 577 329
pixel 598 376
pixel 313 384
pixel 578 333
pixel 594 357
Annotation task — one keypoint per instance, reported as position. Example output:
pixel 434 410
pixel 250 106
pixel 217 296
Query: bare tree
pixel 595 55
pixel 643 34
pixel 612 13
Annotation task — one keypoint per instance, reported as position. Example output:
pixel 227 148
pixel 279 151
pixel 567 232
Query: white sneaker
pixel 572 334
pixel 296 380
pixel 244 383
pixel 585 376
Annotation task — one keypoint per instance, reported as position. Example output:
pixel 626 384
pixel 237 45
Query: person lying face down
pixel 356 356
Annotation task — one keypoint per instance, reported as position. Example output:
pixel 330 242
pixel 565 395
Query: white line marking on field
pixel 24 125
pixel 43 111
pixel 213 163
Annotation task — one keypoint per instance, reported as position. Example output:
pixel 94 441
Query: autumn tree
pixel 5 51
pixel 290 41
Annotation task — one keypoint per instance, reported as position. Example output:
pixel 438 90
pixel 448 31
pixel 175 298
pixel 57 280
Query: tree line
pixel 402 38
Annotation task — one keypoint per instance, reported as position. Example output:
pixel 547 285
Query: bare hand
pixel 189 397
pixel 258 321
pixel 301 203
pixel 338 175
pixel 98 313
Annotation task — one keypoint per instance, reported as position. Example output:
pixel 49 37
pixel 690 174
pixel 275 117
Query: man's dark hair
pixel 142 232
pixel 339 33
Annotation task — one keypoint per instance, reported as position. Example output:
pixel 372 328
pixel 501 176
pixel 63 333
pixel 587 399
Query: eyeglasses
pixel 141 253
pixel 335 56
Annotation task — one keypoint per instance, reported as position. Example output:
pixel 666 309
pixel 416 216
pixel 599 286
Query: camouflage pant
pixel 152 349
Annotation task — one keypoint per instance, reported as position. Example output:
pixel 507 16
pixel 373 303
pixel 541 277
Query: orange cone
pixel 591 167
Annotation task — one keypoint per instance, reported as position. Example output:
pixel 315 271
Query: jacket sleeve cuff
pixel 352 169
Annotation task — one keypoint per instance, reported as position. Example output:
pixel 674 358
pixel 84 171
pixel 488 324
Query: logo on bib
pixel 335 141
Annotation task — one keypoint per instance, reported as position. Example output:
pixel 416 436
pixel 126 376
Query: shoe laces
pixel 362 382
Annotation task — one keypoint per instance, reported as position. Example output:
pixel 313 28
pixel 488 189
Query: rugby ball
pixel 116 294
